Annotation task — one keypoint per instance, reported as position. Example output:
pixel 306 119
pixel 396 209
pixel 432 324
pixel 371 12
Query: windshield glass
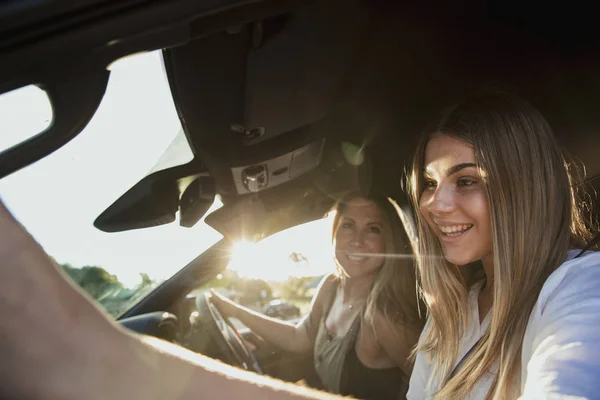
pixel 58 198
pixel 279 275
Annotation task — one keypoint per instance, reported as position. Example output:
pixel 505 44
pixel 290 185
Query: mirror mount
pixel 196 200
pixel 156 199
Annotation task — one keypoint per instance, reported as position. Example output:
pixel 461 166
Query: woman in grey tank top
pixel 364 320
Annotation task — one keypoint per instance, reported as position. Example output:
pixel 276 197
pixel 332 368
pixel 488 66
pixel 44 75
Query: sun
pixel 246 261
pixel 304 250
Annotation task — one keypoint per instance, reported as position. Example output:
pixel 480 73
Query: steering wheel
pixel 227 337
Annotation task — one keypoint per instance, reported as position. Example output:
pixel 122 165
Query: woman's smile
pixel 454 201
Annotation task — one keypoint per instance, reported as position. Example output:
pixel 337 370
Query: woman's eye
pixel 346 225
pixel 375 229
pixel 429 184
pixel 462 182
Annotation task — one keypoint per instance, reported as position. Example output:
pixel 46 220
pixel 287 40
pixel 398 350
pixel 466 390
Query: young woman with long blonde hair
pixel 513 305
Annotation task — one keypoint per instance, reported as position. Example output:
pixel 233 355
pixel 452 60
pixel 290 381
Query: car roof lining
pixel 403 67
pixel 402 76
pixel 406 62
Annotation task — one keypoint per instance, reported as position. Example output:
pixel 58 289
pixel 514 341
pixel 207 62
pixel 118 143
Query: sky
pixel 58 198
pixel 269 259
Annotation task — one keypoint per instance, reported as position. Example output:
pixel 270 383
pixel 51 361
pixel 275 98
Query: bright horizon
pixel 269 259
pixel 58 197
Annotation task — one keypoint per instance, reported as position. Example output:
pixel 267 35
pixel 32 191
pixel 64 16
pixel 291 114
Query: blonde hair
pixel 535 220
pixel 394 292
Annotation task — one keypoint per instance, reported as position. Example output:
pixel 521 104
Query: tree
pixel 255 291
pixel 227 279
pixel 101 285
pixel 295 288
pixel 146 281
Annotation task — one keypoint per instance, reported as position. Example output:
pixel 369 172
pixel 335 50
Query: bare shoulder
pixel 328 281
pixel 324 290
pixel 396 338
pixel 318 303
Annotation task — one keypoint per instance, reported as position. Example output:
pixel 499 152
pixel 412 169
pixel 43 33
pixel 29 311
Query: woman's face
pixel 359 239
pixel 454 202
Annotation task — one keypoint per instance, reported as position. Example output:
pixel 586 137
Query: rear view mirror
pixel 157 198
pixel 196 200
pixel 151 202
pixel 24 113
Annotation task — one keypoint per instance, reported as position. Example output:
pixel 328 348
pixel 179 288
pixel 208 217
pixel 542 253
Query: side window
pixel 278 276
pixel 58 198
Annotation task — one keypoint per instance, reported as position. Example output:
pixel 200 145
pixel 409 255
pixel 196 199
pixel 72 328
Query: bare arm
pixel 57 344
pixel 397 341
pixel 287 336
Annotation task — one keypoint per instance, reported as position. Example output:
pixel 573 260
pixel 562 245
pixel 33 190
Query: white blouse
pixel 561 349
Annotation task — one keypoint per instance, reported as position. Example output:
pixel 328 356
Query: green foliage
pixel 106 288
pixel 250 290
pixel 116 298
pixel 255 290
pixel 227 279
pixel 295 288
pixel 146 281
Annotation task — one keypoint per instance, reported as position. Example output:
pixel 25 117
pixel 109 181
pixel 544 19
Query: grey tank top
pixel 330 351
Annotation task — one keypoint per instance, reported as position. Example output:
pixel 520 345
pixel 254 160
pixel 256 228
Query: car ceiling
pixel 373 73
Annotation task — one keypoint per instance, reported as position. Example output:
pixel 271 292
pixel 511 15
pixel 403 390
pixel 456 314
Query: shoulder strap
pixel 591 244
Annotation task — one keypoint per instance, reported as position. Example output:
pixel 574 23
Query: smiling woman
pixel 363 319
pixel 454 202
pixel 511 295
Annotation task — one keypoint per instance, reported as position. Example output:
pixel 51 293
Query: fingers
pixel 219 297
pixel 224 305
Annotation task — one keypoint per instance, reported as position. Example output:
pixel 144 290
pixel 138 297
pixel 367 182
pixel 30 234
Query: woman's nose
pixel 357 238
pixel 442 201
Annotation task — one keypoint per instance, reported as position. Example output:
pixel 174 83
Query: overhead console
pixel 277 170
pixel 254 101
pixel 253 98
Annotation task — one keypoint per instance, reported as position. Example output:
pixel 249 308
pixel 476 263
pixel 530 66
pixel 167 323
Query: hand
pixel 225 305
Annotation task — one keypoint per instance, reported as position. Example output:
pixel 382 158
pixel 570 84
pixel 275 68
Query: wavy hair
pixel 535 219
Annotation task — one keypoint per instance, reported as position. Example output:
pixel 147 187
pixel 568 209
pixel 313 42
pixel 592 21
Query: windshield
pixel 279 275
pixel 58 198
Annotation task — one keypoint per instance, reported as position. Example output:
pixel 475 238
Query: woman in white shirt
pixel 513 312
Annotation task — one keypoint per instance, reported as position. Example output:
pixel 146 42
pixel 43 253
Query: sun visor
pixel 291 82
pixel 253 99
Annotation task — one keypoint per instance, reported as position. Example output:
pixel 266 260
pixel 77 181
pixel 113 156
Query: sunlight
pixel 304 250
pixel 24 113
pixel 134 125
pixel 246 261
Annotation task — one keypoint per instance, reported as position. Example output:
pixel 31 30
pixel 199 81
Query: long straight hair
pixel 394 292
pixel 535 220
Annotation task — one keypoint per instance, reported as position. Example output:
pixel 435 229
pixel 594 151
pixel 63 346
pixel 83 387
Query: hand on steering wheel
pixel 227 337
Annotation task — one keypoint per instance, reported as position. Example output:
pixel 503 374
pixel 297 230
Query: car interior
pixel 286 104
